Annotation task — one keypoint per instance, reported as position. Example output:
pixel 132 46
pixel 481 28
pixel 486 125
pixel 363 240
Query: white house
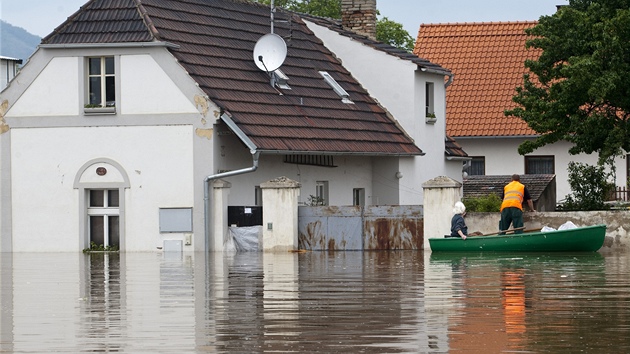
pixel 128 112
pixel 8 69
pixel 487 61
pixel 411 88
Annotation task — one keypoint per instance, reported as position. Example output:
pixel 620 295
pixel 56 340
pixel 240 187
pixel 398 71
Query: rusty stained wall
pixel 355 228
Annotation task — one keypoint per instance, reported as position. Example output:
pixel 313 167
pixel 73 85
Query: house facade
pixel 129 111
pixel 487 61
pixel 411 88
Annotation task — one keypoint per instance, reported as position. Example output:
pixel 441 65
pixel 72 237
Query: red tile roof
pixel 214 43
pixel 487 60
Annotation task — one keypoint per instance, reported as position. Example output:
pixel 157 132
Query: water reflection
pixel 326 302
pixel 536 302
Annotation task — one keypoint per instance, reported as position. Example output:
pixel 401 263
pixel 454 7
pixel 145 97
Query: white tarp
pixel 243 239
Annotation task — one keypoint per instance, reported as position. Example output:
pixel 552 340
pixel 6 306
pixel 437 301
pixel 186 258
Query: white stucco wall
pixel 502 158
pixel 351 172
pixel 149 90
pixel 399 86
pixel 55 92
pixel 46 206
pixel 161 135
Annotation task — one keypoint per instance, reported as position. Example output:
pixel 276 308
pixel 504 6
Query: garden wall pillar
pixel 440 195
pixel 280 214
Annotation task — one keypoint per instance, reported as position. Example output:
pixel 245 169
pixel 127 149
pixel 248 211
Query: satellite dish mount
pixel 270 51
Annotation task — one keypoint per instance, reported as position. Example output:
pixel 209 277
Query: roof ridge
pixel 479 23
pixel 147 19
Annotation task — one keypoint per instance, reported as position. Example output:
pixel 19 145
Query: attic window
pixel 336 87
pixel 280 79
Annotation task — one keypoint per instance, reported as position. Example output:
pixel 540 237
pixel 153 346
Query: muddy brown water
pixel 372 302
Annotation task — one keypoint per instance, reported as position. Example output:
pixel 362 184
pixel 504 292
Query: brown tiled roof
pixel 487 60
pixel 453 149
pixel 479 186
pixel 215 41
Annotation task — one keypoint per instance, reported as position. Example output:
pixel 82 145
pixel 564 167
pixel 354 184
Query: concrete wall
pixel 617 221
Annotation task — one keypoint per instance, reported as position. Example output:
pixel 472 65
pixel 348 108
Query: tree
pixel 387 31
pixel 580 90
pixel 393 33
pixel 590 187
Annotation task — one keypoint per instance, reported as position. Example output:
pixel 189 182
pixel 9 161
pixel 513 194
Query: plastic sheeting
pixel 243 239
pixel 566 226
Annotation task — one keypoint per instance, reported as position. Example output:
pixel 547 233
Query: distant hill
pixel 16 42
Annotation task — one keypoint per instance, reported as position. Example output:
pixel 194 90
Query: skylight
pixel 336 87
pixel 280 79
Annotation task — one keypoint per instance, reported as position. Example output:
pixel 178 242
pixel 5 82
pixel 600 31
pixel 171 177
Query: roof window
pixel 336 87
pixel 279 79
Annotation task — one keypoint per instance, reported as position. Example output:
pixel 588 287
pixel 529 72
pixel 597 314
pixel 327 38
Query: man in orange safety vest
pixel 514 193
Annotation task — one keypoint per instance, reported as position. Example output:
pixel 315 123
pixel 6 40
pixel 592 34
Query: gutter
pixel 458 158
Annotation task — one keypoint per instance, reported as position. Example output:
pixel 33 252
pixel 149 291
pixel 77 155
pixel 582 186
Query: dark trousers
pixel 512 216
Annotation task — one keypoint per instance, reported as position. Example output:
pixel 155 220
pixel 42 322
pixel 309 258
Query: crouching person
pixel 458 224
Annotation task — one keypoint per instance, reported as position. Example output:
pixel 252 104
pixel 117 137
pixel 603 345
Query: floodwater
pixel 355 302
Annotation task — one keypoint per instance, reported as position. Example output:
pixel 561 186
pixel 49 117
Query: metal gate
pixel 356 228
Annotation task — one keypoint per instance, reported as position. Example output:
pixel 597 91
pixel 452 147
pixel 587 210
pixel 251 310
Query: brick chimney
pixel 359 16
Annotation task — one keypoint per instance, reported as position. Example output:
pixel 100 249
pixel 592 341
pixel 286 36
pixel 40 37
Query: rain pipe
pixel 206 182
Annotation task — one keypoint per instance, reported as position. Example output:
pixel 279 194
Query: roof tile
pixel 487 60
pixel 214 43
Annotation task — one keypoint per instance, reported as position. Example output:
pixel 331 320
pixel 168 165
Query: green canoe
pixel 581 239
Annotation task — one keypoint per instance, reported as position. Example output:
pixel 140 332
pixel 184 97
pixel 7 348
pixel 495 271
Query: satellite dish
pixel 270 52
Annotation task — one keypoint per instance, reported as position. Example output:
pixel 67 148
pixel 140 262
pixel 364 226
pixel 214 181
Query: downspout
pixel 206 189
pixel 206 182
pixel 450 80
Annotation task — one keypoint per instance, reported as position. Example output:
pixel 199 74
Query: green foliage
pixel 393 33
pixel 487 203
pixel 315 201
pixel 579 91
pixel 100 248
pixel 321 8
pixel 589 186
pixel 387 31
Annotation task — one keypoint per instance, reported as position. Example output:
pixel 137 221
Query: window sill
pixel 431 120
pixel 99 111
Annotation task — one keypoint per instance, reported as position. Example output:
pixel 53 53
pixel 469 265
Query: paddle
pixel 498 232
pixel 512 230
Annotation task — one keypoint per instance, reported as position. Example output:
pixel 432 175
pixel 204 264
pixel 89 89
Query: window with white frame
pixel 101 85
pixel 539 165
pixel 104 217
pixel 321 192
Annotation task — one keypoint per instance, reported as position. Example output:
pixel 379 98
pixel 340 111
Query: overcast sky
pixel 40 17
